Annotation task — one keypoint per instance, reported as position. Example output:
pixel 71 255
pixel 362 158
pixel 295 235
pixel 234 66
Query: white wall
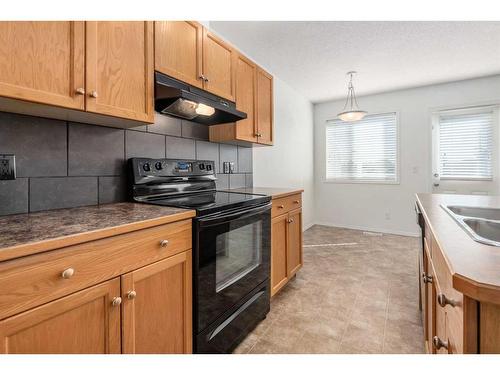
pixel 289 162
pixel 365 206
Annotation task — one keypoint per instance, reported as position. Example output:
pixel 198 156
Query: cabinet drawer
pixel 36 279
pixel 286 204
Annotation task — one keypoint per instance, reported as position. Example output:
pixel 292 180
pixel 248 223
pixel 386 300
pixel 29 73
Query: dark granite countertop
pixel 26 234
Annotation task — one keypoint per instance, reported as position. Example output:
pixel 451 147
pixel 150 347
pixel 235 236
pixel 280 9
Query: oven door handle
pixel 223 218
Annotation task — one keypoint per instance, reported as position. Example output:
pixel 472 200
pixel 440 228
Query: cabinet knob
pixel 163 243
pixel 296 202
pixel 427 278
pixel 80 91
pixel 117 301
pixel 132 294
pixel 93 94
pixel 443 300
pixel 438 343
pixel 281 206
pixel 203 78
pixel 68 273
pixel 290 221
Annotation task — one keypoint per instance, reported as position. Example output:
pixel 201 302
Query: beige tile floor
pixel 360 297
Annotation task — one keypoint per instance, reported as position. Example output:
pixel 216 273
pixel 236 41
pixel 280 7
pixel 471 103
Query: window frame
pixel 436 158
pixel 337 180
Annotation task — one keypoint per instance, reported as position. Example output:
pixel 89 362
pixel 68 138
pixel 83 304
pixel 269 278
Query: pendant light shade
pixel 351 111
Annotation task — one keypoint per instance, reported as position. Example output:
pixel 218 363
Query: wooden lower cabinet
pixel 157 307
pixel 286 247
pixel 143 304
pixel 84 322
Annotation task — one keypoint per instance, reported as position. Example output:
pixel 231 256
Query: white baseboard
pixel 368 229
pixel 307 226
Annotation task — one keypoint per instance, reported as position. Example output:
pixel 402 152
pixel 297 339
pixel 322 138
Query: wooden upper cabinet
pixel 119 67
pixel 178 50
pixel 85 322
pixel 265 107
pixel 43 62
pixel 246 97
pixel 218 68
pixel 157 316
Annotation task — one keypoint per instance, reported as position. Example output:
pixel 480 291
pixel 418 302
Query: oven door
pixel 232 258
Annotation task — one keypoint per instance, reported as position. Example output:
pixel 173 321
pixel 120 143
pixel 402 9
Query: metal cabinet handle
pixel 68 273
pixel 132 294
pixel 296 202
pixel 281 206
pixel 290 221
pixel 80 91
pixel 438 343
pixel 203 78
pixel 93 94
pixel 427 278
pixel 163 243
pixel 117 301
pixel 443 300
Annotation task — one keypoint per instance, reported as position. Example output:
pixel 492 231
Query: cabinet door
pixel 265 107
pixel 218 67
pixel 83 322
pixel 157 315
pixel 441 330
pixel 279 237
pixel 178 48
pixel 246 98
pixel 43 62
pixel 119 81
pixel 294 248
pixel 429 306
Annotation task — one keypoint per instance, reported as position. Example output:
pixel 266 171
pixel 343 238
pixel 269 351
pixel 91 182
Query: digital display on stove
pixel 184 167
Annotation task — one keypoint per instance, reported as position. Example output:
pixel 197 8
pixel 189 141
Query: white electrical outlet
pixel 7 167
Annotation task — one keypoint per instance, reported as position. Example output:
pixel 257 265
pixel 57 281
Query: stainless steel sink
pixel 477 212
pixel 481 223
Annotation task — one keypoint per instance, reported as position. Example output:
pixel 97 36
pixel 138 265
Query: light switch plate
pixel 7 167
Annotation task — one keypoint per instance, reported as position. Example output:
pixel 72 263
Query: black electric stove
pixel 231 247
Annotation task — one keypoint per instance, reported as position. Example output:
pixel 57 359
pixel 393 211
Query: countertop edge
pixel 284 192
pixel 18 251
pixel 468 286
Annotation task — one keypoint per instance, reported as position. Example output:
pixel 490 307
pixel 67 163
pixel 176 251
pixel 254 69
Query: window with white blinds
pixel 465 144
pixel 363 151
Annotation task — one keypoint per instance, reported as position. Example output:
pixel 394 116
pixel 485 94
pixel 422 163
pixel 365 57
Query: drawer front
pixel 286 204
pixel 33 280
pixel 450 299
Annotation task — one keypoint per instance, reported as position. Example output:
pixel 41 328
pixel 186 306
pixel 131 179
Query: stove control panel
pixel 144 168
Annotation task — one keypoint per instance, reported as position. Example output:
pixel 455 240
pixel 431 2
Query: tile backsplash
pixel 64 164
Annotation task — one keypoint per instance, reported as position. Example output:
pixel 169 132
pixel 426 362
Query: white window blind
pixel 466 144
pixel 363 151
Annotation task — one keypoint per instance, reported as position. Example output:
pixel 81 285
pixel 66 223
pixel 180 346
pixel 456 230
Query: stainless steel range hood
pixel 178 99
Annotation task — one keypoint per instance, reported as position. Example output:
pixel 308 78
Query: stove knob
pixel 158 165
pixel 202 166
pixel 209 167
pixel 146 167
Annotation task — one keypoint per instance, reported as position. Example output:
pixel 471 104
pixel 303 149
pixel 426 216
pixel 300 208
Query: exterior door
pixel 157 310
pixel 294 248
pixel 43 62
pixel 119 69
pixel 86 322
pixel 465 153
pixel 246 98
pixel 178 50
pixel 265 107
pixel 279 238
pixel 218 68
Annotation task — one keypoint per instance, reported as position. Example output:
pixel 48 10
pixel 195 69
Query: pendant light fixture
pixel 351 111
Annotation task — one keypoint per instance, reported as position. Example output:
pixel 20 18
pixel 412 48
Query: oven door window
pixel 238 252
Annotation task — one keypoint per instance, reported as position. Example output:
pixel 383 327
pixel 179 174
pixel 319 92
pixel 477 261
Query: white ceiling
pixel 313 57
